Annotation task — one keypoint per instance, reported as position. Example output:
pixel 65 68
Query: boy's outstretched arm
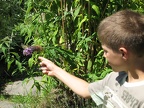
pixel 78 85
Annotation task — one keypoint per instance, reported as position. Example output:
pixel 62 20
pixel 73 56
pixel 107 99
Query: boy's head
pixel 123 29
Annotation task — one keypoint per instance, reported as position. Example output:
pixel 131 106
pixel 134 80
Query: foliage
pixel 10 15
pixel 67 31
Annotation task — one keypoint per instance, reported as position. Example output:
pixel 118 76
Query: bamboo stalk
pixel 83 6
pixel 62 17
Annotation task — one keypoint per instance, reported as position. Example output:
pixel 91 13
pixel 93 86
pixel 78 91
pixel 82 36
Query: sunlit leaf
pixel 30 62
pixel 76 12
pixel 96 9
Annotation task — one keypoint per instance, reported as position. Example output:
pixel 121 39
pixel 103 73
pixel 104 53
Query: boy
pixel 122 39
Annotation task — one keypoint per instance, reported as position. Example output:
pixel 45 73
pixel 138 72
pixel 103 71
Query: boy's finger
pixel 43 63
pixel 42 58
pixel 43 68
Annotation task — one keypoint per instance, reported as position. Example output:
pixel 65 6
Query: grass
pixel 56 99
pixel 23 100
pixel 29 101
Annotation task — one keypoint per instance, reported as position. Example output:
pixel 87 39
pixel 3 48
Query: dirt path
pixel 7 104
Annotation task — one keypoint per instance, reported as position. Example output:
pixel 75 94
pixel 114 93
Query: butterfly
pixel 28 50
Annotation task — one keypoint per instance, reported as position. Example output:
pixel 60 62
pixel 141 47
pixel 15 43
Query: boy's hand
pixel 78 85
pixel 47 66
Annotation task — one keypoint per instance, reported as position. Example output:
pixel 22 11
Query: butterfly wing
pixel 24 46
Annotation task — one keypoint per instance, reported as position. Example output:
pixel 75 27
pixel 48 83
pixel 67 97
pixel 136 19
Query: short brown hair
pixel 124 28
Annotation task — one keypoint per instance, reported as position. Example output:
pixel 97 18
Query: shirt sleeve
pixel 99 85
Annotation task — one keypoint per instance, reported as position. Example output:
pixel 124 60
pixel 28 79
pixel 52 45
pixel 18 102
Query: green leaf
pixel 19 65
pixel 89 65
pixel 4 49
pixel 16 55
pixel 30 62
pixel 76 12
pixel 9 64
pixel 82 21
pixel 37 85
pixel 96 9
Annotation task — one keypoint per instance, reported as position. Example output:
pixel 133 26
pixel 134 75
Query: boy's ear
pixel 123 52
